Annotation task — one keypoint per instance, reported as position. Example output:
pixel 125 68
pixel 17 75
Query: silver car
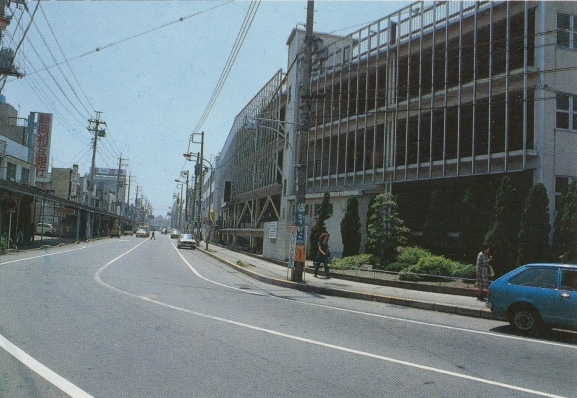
pixel 186 240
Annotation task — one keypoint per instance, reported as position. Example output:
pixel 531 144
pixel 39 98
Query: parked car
pixel 186 240
pixel 142 233
pixel 114 232
pixel 536 297
pixel 45 229
pixel 174 234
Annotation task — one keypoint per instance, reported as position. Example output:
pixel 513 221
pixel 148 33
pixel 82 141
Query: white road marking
pixel 47 374
pixel 306 340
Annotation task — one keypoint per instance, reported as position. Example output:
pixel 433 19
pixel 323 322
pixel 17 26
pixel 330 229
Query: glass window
pixel 563 30
pixel 562 120
pixel 536 277
pixel 11 172
pixel 569 280
pixel 25 176
pixel 562 102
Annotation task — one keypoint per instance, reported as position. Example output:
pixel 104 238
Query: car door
pixel 566 301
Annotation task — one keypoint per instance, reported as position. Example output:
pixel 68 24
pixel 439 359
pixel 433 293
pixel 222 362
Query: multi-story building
pixel 442 97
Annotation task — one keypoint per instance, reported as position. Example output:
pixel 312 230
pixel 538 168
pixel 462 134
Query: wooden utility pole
pixel 300 213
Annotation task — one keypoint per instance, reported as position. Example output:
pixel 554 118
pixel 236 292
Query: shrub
pixel 412 255
pixel 396 267
pixel 353 262
pixel 436 265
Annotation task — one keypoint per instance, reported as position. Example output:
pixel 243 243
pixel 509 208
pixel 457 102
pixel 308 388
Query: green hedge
pixel 411 262
pixel 353 262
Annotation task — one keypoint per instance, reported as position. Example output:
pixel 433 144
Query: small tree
pixel 386 231
pixel 565 235
pixel 436 226
pixel 473 228
pixel 319 226
pixel 351 228
pixel 503 233
pixel 535 227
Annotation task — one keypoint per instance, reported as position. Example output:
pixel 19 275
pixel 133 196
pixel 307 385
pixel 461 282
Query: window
pixel 11 172
pixel 566 31
pixel 566 111
pixel 561 186
pixel 536 277
pixel 569 280
pixel 25 176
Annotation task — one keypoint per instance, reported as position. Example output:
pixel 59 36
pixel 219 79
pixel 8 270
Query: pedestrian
pixel 153 235
pixel 20 238
pixel 482 270
pixel 323 254
pixel 31 233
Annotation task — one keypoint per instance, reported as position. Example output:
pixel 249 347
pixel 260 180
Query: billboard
pixel 42 156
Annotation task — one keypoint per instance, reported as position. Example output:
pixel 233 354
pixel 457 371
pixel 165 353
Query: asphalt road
pixel 134 317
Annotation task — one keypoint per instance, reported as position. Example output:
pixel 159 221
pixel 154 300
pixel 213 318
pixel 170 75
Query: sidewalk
pixel 275 273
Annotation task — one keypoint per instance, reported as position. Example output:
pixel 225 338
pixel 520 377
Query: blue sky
pixel 152 88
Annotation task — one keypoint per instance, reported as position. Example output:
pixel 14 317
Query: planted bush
pixel 353 262
pixel 427 268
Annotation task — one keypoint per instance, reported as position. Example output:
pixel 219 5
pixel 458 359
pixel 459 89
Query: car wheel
pixel 525 319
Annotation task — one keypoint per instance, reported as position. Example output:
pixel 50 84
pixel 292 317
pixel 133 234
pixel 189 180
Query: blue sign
pixel 300 223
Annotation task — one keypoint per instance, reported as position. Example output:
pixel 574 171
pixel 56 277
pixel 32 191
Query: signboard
pixel 43 135
pixel 108 172
pixel 272 228
pixel 300 253
pixel 300 223
pixel 292 247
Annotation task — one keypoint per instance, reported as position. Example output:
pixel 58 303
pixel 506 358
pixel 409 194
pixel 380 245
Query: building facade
pixel 437 97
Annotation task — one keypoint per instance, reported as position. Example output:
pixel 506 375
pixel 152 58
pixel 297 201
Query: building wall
pixel 449 92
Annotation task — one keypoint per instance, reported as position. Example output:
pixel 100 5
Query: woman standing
pixel 482 269
pixel 323 255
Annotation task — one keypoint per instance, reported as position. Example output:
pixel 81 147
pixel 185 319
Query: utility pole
pixel 98 132
pixel 201 181
pixel 118 185
pixel 300 213
pixel 128 195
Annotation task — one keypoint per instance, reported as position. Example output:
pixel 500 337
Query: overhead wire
pixel 249 17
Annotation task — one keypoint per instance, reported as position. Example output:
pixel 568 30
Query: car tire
pixel 525 319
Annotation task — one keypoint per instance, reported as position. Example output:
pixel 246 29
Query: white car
pixel 45 229
pixel 142 233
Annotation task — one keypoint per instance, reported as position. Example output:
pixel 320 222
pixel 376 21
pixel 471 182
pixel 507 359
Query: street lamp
pixel 185 199
pixel 189 157
pixel 180 205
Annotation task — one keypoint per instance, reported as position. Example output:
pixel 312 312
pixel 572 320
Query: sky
pixel 152 75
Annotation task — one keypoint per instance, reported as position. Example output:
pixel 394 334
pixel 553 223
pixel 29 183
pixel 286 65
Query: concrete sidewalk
pixel 275 273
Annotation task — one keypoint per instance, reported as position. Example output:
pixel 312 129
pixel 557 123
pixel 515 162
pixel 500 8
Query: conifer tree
pixel 565 234
pixel 502 235
pixel 351 228
pixel 535 227
pixel 386 231
pixel 319 226
pixel 436 227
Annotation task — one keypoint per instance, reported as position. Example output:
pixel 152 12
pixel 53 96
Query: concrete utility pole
pixel 98 132
pixel 118 185
pixel 300 213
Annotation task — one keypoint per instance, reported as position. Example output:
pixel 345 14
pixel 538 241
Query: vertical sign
pixel 301 248
pixel 292 247
pixel 43 135
pixel 272 230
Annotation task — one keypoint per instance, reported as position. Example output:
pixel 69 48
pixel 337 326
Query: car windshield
pixel 186 236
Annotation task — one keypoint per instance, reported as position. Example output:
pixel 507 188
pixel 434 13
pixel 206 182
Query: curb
pixel 438 307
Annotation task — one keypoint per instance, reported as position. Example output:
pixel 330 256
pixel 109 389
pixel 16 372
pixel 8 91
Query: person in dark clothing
pixel 323 255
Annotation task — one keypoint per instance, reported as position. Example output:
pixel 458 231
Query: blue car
pixel 536 297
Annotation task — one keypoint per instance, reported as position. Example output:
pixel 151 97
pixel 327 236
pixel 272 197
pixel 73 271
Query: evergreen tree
pixel 565 235
pixel 351 228
pixel 386 231
pixel 472 233
pixel 505 228
pixel 535 227
pixel 436 226
pixel 319 226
